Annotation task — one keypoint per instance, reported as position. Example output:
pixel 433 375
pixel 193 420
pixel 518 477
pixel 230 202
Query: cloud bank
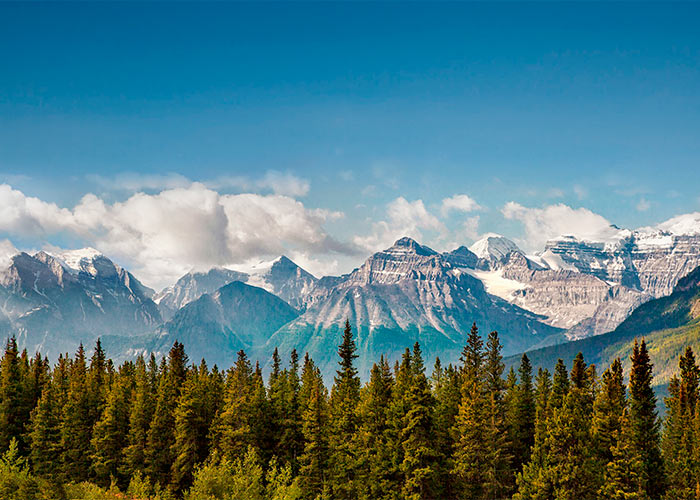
pixel 162 236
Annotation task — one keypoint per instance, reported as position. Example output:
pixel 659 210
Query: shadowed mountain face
pixel 281 277
pixel 668 324
pixel 52 303
pixel 217 325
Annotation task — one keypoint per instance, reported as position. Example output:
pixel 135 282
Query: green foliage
pixel 174 431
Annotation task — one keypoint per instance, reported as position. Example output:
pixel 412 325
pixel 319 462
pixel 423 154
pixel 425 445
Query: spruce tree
pixel 448 394
pixel 608 409
pixel 622 477
pixel 372 439
pixel 140 417
pixel 313 470
pixel 679 437
pixel 45 434
pixel 110 434
pixel 76 430
pixel 419 466
pixel 12 419
pixel 645 422
pixel 523 415
pixel 345 396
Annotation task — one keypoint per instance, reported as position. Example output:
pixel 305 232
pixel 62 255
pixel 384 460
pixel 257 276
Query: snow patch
pixel 496 284
pixel 493 246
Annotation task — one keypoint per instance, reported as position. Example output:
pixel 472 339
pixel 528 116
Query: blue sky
pixel 347 109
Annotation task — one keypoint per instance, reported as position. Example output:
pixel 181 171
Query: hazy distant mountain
pixel 192 286
pixel 281 277
pixel 215 326
pixel 54 302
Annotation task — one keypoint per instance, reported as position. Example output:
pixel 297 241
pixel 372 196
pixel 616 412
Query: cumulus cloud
pixel 458 203
pixel 403 218
pixel 161 236
pixel 542 224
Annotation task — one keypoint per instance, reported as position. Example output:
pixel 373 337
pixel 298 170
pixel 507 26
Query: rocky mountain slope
pixel 668 324
pixel 405 294
pixel 54 302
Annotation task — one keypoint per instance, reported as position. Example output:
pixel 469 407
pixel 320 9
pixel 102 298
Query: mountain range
pixel 573 289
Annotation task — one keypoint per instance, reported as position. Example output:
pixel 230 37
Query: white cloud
pixel 161 236
pixel 542 224
pixel 643 205
pixel 7 251
pixel 404 218
pixel 458 203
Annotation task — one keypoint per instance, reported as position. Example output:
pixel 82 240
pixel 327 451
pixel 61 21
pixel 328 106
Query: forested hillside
pixel 169 429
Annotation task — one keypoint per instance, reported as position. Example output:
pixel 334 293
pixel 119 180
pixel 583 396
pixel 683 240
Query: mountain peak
pixel 409 245
pixel 493 246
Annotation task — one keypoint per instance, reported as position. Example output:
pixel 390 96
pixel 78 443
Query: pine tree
pixel 447 392
pixel 680 438
pixel 608 408
pixel 314 460
pixel 110 434
pixel 622 478
pixel 419 466
pixel 372 439
pixel 45 435
pixel 569 469
pixel 345 396
pixel 161 433
pixel 233 425
pixel 190 445
pixel 76 430
pixel 644 421
pixel 532 482
pixel 471 423
pixel 97 383
pixel 524 416
pixel 12 419
pixel 140 417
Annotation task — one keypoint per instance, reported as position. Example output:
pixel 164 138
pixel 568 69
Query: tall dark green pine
pixel 470 466
pixel 372 438
pixel 11 396
pixel 532 481
pixel 497 479
pixel 190 445
pixel 448 394
pixel 111 432
pixel 419 466
pixel 97 383
pixel 345 396
pixel 622 476
pixel 570 470
pixel 45 434
pixel 161 433
pixel 524 416
pixel 313 462
pixel 233 432
pixel 679 437
pixel 76 429
pixel 645 422
pixel 140 417
pixel 607 411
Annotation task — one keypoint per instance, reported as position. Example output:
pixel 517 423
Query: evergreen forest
pixel 171 429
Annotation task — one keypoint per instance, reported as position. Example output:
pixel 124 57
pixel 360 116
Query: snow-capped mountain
pixel 281 277
pixel 54 302
pixel 405 294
